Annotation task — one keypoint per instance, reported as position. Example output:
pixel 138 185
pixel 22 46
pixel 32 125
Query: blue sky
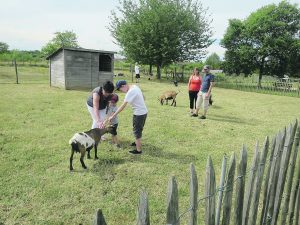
pixel 30 24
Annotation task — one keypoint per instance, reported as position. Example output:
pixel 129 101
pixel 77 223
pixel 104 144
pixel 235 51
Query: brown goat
pixel 168 95
pixel 85 141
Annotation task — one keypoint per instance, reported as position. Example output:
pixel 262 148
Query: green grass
pixel 36 123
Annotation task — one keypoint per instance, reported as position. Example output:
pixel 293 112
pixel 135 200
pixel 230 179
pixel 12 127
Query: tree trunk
pixel 261 70
pixel 150 69
pixel 158 72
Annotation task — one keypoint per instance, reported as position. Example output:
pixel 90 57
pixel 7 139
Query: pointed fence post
pixel 210 193
pixel 172 203
pixel 220 196
pixel 99 218
pixel 285 157
pixel 250 185
pixel 285 210
pixel 193 196
pixel 266 183
pixel 258 183
pixel 274 176
pixel 228 192
pixel 240 186
pixel 143 210
pixel 297 208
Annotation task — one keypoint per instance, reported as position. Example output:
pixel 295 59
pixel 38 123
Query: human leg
pixel 199 102
pixel 138 126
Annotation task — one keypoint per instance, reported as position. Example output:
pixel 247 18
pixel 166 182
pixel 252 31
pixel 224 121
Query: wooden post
pixel 266 183
pixel 240 186
pixel 131 70
pixel 250 185
pixel 220 196
pixel 228 192
pixel 258 183
pixel 285 209
pixel 16 69
pixel 193 196
pixel 297 208
pixel 285 158
pixel 99 218
pixel 274 177
pixel 172 203
pixel 143 217
pixel 210 189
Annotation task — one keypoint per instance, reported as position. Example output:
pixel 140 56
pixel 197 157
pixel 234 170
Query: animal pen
pixel 268 192
pixel 78 68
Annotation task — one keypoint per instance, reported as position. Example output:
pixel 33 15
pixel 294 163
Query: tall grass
pixel 37 121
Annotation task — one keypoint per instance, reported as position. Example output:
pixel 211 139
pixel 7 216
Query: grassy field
pixel 36 123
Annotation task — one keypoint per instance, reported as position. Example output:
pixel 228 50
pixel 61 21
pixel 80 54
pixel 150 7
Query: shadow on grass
pixel 228 119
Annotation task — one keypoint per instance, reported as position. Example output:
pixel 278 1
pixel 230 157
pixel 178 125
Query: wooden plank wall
pixel 57 71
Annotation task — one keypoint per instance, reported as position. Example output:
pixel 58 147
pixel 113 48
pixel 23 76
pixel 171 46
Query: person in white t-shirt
pixel 135 98
pixel 137 72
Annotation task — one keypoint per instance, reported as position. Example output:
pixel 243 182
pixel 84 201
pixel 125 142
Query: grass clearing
pixel 37 122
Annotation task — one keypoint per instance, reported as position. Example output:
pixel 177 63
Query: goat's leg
pixel 81 159
pixel 96 157
pixel 174 100
pixel 71 160
pixel 88 153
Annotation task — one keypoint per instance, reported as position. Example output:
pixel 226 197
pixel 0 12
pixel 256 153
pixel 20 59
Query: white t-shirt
pixel 135 98
pixel 137 69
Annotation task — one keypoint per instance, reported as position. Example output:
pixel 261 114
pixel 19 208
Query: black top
pixel 103 102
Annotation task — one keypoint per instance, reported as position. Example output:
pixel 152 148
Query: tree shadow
pixel 228 119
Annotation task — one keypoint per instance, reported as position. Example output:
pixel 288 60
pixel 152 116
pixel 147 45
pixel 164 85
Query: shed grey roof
pixel 79 50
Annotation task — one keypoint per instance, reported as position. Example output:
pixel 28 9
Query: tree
pixel 214 61
pixel 3 47
pixel 159 32
pixel 66 39
pixel 267 41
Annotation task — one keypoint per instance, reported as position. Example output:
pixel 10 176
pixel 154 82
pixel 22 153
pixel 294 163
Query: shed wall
pixel 57 71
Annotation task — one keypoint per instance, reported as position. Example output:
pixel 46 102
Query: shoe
pixel 135 152
pixel 202 117
pixel 117 145
pixel 103 138
pixel 133 144
pixel 194 115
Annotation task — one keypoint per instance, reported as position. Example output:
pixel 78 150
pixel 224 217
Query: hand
pixel 100 124
pixel 207 95
pixel 110 118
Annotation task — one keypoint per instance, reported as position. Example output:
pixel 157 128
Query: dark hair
pixel 108 87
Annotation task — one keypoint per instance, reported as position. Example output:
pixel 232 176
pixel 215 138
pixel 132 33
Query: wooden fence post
pixel 172 202
pixel 297 208
pixel 285 209
pixel 274 177
pixel 210 189
pixel 220 196
pixel 283 170
pixel 99 218
pixel 266 183
pixel 250 185
pixel 228 192
pixel 240 185
pixel 258 183
pixel 143 210
pixel 16 69
pixel 193 196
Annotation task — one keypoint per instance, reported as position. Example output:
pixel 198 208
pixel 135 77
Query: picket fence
pixel 266 193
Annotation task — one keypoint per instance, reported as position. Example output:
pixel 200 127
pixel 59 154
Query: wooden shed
pixel 79 68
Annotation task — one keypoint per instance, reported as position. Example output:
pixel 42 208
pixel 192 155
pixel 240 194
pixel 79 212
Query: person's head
pixel 206 69
pixel 114 99
pixel 196 71
pixel 121 85
pixel 108 88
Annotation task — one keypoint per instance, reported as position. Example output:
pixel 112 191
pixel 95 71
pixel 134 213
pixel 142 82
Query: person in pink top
pixel 194 85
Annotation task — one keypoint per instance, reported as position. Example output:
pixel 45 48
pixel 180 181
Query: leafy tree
pixel 267 41
pixel 159 32
pixel 66 39
pixel 3 47
pixel 214 61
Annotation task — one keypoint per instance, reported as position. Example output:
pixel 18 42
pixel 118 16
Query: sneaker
pixel 135 152
pixel 202 117
pixel 133 144
pixel 194 115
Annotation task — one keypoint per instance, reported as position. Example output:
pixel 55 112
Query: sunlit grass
pixel 37 122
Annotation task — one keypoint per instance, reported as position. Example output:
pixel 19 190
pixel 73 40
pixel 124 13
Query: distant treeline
pixel 23 57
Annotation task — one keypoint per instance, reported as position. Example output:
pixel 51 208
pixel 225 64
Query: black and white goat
pixel 85 141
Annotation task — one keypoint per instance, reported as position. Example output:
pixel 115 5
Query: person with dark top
pixel 205 91
pixel 194 85
pixel 97 103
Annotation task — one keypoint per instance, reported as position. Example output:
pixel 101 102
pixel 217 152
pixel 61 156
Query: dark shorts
pixel 114 131
pixel 138 125
pixel 137 75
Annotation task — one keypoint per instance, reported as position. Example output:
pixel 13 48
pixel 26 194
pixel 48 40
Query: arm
pixel 120 109
pixel 96 99
pixel 209 90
